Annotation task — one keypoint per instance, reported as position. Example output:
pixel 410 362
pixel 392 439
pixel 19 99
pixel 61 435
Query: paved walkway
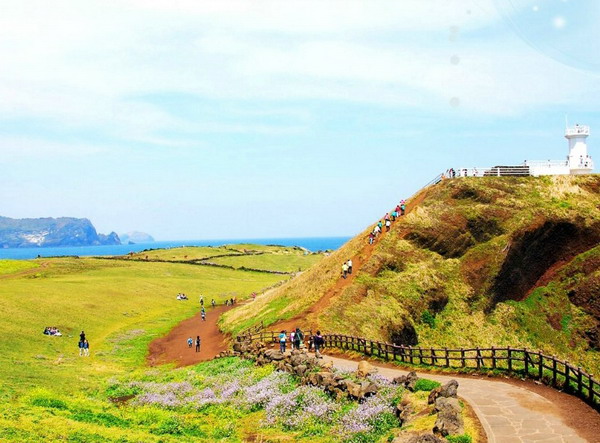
pixel 508 413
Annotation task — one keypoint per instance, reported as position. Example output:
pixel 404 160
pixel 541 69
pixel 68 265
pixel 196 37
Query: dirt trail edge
pixel 173 347
pixel 307 318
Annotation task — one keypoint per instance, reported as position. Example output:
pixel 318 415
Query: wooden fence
pixel 550 370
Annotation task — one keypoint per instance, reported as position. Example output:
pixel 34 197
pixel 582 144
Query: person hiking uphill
pixel 213 303
pixel 203 313
pixel 344 270
pixel 197 343
pixel 402 207
pixel 190 342
pixel 387 225
pixel 349 264
pixel 371 237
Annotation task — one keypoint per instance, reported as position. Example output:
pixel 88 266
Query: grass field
pixel 286 261
pixel 121 305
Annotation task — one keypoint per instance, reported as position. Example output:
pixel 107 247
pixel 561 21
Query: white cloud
pixel 87 64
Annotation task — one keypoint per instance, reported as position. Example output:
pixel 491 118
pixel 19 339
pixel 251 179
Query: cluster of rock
pixel 315 372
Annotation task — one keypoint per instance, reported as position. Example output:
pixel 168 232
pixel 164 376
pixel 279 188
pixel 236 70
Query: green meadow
pixel 121 305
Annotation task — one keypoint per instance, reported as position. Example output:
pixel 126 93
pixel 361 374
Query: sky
pixel 194 119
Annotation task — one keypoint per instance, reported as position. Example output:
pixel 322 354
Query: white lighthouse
pixel 578 160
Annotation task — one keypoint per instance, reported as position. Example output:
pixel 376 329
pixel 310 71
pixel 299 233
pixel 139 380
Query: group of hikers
pixel 84 345
pixel 296 339
pixel 347 268
pixel 387 221
pixel 191 342
pixel 52 330
pixel 181 296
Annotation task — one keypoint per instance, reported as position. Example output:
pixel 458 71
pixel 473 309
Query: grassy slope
pixel 121 305
pixel 445 258
pixel 283 261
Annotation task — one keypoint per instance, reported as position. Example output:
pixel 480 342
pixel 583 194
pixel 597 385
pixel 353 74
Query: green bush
pixel 464 438
pixel 424 384
pixel 428 318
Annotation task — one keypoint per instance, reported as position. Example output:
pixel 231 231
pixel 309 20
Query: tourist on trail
pixel 380 225
pixel 371 237
pixel 213 303
pixel 402 208
pixel 197 343
pixel 344 270
pixel 318 342
pixel 376 230
pixel 227 302
pixel 82 336
pixel 394 215
pixel 254 296
pixel 292 338
pixel 86 348
pixel 201 301
pixel 81 343
pixel 349 263
pixel 203 314
pixel 282 340
pixel 190 342
pixel 298 338
pixel 387 225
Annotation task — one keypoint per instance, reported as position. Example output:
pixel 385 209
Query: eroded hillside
pixel 479 261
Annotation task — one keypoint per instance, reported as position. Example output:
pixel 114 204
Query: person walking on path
pixel 298 338
pixel 86 348
pixel 81 343
pixel 282 340
pixel 371 237
pixel 349 263
pixel 197 343
pixel 380 225
pixel 344 270
pixel 203 314
pixel 82 336
pixel 394 215
pixel 201 301
pixel 402 208
pixel 213 303
pixel 318 342
pixel 190 342
pixel 387 225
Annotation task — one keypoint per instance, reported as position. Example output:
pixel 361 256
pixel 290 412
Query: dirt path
pixel 307 319
pixel 511 411
pixel 173 347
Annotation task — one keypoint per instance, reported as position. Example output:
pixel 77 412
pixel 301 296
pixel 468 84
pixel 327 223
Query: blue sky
pixel 194 120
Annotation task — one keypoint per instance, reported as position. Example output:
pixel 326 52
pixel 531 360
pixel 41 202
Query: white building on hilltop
pixel 577 162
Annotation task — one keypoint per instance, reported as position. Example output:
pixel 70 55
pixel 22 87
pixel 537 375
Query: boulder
pixel 403 411
pixel 325 365
pixel 449 390
pixel 274 354
pixel 360 391
pixel 401 380
pixel 365 368
pixel 411 381
pixel 449 420
pixel 301 369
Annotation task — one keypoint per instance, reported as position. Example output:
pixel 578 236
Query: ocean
pixel 311 243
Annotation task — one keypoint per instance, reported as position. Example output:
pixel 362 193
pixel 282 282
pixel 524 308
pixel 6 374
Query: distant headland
pixel 52 232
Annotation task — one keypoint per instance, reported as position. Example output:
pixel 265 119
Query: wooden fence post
pixel 541 368
pixel 371 343
pixel 478 358
pixel 567 385
pixel 509 359
pixel 579 381
pixel 493 358
pixel 526 361
pixel 447 358
pixel 410 354
pixel 591 388
pixel 554 370
pixel 462 357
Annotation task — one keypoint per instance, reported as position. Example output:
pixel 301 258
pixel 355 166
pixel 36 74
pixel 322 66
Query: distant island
pixel 136 237
pixel 51 232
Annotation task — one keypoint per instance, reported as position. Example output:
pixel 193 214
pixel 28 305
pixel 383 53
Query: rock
pixel 298 359
pixel 353 389
pixel 449 390
pixel 401 380
pixel 423 438
pixel 433 395
pixel 365 368
pixel 325 365
pixel 360 391
pixel 449 420
pixel 411 381
pixel 301 369
pixel 237 347
pixel 274 354
pixel 403 411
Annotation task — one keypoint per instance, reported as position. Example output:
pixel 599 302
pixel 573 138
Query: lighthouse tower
pixel 579 161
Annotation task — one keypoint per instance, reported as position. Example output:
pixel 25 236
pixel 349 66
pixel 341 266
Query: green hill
pixel 477 261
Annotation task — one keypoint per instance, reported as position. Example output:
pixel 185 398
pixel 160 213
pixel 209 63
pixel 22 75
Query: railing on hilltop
pixel 550 370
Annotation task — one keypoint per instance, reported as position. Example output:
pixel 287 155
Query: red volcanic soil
pixel 173 347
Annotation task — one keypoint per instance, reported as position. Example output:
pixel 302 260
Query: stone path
pixel 508 413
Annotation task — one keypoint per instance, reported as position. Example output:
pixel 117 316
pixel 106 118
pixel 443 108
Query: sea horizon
pixel 313 244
